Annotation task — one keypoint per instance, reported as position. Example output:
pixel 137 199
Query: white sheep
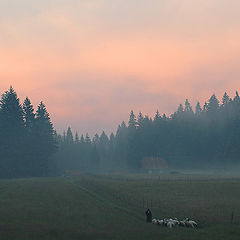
pixel 170 224
pixel 190 223
pixel 154 221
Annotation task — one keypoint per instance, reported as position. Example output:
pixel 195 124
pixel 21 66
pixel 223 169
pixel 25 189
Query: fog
pixel 200 138
pixel 192 139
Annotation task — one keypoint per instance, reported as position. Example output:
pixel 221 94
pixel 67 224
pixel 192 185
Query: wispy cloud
pixel 92 61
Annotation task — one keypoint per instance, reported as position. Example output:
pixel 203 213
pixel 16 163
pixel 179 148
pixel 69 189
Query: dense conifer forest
pixel 27 138
pixel 200 138
pixel 205 137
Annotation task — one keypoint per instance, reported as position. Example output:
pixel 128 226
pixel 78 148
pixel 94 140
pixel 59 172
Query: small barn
pixel 73 172
pixel 154 164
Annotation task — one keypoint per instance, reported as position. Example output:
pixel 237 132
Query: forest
pixel 205 137
pixel 27 138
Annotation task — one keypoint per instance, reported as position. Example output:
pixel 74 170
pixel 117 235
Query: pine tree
pixel 69 137
pixel 11 111
pixel 82 140
pixel 11 135
pixel 198 109
pixel 225 100
pixel 132 123
pixel 111 139
pixel 103 140
pixel 157 117
pixel 76 140
pixel 213 105
pixel 205 106
pixel 164 117
pixel 28 114
pixel 96 139
pixel 179 113
pixel 236 98
pixel 188 108
pixel 45 139
pixel 30 138
pixel 140 120
pixel 87 139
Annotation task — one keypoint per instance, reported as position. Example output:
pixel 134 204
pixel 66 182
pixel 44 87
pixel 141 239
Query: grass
pixel 112 207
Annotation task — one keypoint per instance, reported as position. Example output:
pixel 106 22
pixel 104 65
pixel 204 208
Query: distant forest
pixel 208 136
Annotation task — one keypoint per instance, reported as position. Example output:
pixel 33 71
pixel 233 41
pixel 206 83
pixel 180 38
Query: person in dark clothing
pixel 148 215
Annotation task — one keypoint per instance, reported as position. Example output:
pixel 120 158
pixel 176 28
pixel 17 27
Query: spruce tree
pixel 76 140
pixel 96 139
pixel 213 105
pixel 69 137
pixel 30 138
pixel 132 123
pixel 28 114
pixel 157 117
pixel 188 109
pixel 82 140
pixel 198 109
pixel 140 120
pixel 87 139
pixel 225 100
pixel 45 139
pixel 11 135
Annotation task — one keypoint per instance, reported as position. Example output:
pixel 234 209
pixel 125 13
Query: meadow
pixel 112 207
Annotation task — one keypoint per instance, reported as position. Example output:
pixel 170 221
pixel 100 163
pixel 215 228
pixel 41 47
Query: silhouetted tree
pixel 132 123
pixel 198 109
pixel 69 137
pixel 11 135
pixel 46 142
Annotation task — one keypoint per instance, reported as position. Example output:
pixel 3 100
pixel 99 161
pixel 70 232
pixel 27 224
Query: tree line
pixel 27 138
pixel 203 137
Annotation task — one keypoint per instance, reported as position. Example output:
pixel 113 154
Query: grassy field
pixel 113 206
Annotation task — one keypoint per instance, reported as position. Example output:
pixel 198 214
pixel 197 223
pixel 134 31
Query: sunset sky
pixel 92 61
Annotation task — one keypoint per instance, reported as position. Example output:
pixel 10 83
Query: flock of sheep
pixel 170 223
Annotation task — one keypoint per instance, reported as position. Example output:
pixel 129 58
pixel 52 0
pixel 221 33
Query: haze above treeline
pixel 205 137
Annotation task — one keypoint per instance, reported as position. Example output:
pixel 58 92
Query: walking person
pixel 148 215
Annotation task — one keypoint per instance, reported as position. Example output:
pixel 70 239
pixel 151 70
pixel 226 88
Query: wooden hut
pixel 154 164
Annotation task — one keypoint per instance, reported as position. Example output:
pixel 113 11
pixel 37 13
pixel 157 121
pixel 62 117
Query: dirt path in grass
pixel 112 204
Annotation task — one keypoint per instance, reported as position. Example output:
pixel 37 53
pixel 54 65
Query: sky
pixel 93 61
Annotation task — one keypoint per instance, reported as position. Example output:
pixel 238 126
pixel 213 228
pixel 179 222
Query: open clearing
pixel 113 206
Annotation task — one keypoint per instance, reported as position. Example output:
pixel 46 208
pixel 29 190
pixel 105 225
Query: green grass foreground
pixel 112 207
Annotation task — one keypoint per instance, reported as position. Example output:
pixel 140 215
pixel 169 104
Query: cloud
pixel 92 61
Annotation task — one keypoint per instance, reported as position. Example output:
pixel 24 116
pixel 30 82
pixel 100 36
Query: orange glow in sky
pixel 92 61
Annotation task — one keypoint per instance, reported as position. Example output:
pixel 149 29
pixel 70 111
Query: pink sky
pixel 92 61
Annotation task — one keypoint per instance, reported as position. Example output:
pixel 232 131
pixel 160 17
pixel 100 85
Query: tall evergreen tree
pixel 69 137
pixel 213 105
pixel 87 139
pixel 45 139
pixel 198 109
pixel 76 140
pixel 236 98
pixel 11 134
pixel 140 120
pixel 225 100
pixel 132 123
pixel 188 107
pixel 157 117
pixel 28 114
pixel 82 140
pixel 96 139
pixel 30 140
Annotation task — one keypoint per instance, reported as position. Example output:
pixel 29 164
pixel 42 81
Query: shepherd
pixel 148 216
